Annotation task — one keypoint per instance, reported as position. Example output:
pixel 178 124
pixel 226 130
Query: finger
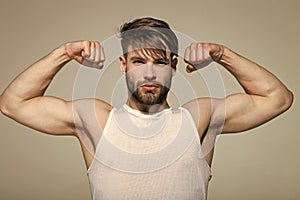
pixel 86 49
pixel 190 68
pixel 102 54
pixel 97 52
pixel 187 55
pixel 205 51
pixel 193 52
pixel 199 53
pixel 79 59
pixel 93 51
pixel 91 64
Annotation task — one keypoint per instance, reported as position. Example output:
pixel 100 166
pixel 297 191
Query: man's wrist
pixel 60 55
pixel 216 51
pixel 226 57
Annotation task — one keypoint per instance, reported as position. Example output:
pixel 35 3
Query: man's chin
pixel 148 99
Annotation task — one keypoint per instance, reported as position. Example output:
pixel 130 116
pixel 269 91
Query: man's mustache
pixel 146 82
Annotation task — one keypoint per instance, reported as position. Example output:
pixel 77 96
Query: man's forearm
pixel 34 81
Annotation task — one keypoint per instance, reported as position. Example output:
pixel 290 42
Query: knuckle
pixel 86 43
pixel 199 45
pixel 97 44
pixel 193 45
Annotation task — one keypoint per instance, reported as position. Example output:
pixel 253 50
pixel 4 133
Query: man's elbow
pixel 5 108
pixel 286 102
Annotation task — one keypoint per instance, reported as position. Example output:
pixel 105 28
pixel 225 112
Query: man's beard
pixel 157 96
pixel 149 97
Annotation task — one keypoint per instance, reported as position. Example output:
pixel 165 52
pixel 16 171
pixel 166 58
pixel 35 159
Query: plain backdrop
pixel 260 164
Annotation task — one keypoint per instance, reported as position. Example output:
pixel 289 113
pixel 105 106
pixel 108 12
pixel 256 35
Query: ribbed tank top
pixel 149 157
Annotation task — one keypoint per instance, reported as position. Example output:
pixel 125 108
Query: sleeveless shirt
pixel 149 157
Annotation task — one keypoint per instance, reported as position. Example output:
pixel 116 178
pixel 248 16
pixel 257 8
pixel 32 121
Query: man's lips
pixel 149 86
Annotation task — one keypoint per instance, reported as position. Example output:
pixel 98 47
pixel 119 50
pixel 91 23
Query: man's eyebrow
pixel 133 58
pixel 137 58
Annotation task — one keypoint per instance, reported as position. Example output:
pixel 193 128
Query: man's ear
pixel 174 66
pixel 122 64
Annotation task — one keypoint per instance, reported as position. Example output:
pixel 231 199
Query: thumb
pixel 79 59
pixel 190 68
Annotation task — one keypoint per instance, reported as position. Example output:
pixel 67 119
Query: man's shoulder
pixel 200 110
pixel 92 106
pixel 91 112
pixel 199 105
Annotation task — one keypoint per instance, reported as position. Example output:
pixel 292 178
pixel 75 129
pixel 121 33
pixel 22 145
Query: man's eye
pixel 161 63
pixel 138 62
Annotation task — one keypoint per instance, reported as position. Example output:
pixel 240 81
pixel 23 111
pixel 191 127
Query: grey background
pixel 260 164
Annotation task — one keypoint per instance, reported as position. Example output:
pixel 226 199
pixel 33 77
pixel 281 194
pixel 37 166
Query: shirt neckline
pixel 138 113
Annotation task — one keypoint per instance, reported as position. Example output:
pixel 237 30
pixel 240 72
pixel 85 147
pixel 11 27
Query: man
pixel 145 149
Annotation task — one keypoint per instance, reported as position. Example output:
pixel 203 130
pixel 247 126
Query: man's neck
pixel 147 109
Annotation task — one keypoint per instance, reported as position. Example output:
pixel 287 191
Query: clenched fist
pixel 199 55
pixel 88 53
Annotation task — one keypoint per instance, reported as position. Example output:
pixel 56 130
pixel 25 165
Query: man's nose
pixel 149 72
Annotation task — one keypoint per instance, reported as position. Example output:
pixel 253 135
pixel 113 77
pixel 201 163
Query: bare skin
pixel 265 96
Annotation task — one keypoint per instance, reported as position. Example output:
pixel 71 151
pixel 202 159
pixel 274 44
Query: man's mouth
pixel 149 86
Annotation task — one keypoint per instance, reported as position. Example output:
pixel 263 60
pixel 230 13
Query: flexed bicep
pixel 46 114
pixel 244 112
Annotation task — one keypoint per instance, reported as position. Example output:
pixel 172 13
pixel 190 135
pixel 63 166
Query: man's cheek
pixel 134 82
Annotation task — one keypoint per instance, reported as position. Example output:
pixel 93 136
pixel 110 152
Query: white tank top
pixel 149 157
